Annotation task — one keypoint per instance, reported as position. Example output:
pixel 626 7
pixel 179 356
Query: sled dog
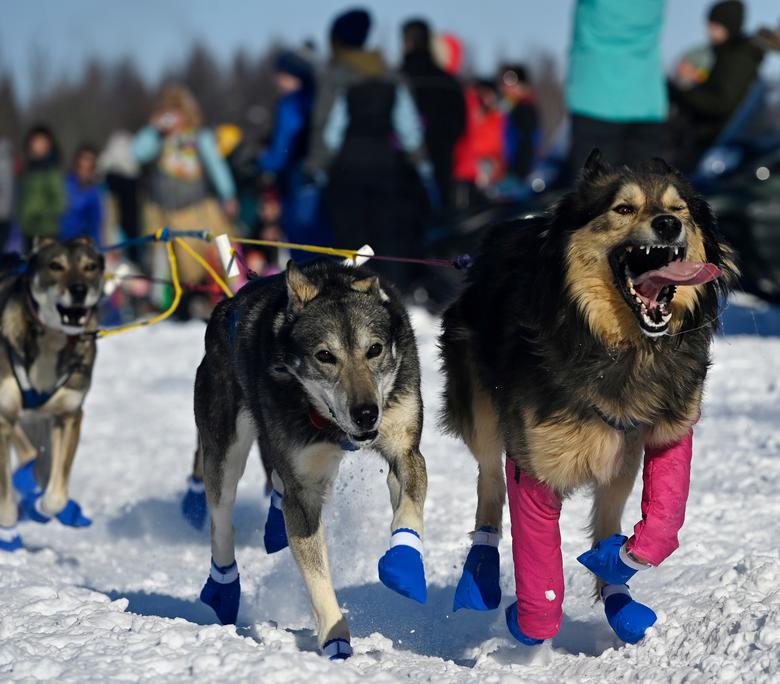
pixel 310 363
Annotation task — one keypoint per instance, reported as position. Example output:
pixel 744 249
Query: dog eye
pixel 56 266
pixel 624 209
pixel 91 267
pixel 324 356
pixel 678 207
pixel 374 350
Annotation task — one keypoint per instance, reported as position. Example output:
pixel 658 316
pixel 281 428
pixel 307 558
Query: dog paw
pixel 606 562
pixel 337 649
pixel 30 508
pixel 193 505
pixel 73 516
pixel 628 618
pixel 24 479
pixel 479 588
pixel 222 592
pixel 401 568
pixel 514 627
pixel 275 533
pixel 10 540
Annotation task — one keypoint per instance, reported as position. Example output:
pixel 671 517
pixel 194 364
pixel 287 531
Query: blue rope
pixel 166 235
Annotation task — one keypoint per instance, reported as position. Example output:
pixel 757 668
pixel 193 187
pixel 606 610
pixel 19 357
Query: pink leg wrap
pixel 666 479
pixel 536 547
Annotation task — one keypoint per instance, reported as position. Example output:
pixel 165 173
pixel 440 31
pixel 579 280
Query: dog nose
pixel 365 415
pixel 667 227
pixel 79 292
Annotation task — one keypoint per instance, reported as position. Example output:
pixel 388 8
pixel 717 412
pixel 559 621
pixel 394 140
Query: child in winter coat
pixel 84 214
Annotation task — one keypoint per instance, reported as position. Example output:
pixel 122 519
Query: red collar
pixel 317 421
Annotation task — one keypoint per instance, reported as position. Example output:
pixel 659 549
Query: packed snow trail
pixel 119 601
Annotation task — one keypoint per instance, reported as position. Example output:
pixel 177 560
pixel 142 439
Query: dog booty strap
pixel 193 505
pixel 629 619
pixel 337 649
pixel 401 568
pixel 514 627
pixel 24 479
pixel 275 533
pixel 610 562
pixel 30 508
pixel 479 587
pixel 222 592
pixel 9 539
pixel 73 516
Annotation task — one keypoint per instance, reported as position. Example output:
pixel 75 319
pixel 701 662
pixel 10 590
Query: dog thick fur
pixel 47 319
pixel 546 344
pixel 326 340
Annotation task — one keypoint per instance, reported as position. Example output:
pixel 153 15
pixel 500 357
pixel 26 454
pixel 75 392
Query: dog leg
pixel 9 537
pixel 25 449
pixel 479 586
pixel 305 489
pixel 223 588
pixel 193 506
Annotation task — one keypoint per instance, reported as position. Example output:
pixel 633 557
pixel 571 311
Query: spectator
pixel 84 213
pixel 522 134
pixel 42 186
pixel 6 190
pixel 184 164
pixel 706 108
pixel 348 64
pixel 374 193
pixel 439 99
pixel 615 89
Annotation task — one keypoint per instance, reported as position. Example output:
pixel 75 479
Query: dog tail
pixel 456 417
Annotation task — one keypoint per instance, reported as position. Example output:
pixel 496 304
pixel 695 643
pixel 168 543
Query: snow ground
pixel 119 601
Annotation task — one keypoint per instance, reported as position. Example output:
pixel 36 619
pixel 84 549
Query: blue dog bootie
pixel 193 505
pixel 514 628
pixel 30 507
pixel 10 540
pixel 401 568
pixel 222 592
pixel 24 479
pixel 479 587
pixel 275 533
pixel 26 484
pixel 73 516
pixel 629 619
pixel 610 562
pixel 337 649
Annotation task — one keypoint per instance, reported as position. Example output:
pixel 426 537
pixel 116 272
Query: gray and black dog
pixel 310 363
pixel 48 317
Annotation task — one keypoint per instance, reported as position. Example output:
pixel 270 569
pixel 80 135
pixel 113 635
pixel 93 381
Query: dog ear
pixel 595 166
pixel 40 242
pixel 660 165
pixel 370 284
pixel 300 290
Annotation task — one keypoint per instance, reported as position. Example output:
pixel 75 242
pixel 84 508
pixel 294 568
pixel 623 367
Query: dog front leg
pixel 25 449
pixel 65 439
pixel 306 534
pixel 8 511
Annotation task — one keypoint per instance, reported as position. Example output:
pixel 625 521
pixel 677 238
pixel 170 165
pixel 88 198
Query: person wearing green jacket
pixel 41 186
pixel 615 89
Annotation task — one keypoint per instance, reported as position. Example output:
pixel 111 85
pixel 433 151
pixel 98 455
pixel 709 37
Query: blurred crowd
pixel 361 152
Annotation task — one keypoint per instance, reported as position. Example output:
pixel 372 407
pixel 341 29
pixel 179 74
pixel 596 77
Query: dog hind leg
pixel 194 507
pixel 223 467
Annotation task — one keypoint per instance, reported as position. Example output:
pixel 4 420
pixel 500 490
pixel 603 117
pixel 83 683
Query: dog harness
pixel 31 397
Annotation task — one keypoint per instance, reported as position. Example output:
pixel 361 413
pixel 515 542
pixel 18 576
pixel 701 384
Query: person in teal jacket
pixel 615 90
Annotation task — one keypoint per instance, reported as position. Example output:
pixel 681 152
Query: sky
pixel 156 32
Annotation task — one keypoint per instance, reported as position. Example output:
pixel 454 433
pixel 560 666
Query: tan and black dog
pixel 48 318
pixel 582 337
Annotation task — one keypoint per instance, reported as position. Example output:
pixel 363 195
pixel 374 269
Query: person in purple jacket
pixel 83 216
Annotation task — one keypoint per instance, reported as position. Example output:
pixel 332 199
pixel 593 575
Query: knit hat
pixel 730 14
pixel 288 62
pixel 351 28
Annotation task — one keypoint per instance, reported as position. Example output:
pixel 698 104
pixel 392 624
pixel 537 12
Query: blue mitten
pixel 10 539
pixel 401 568
pixel 479 588
pixel 609 560
pixel 73 516
pixel 30 507
pixel 275 534
pixel 337 649
pixel 193 505
pixel 629 619
pixel 514 628
pixel 24 478
pixel 222 592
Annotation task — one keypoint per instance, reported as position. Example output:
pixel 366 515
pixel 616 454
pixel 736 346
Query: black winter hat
pixel 730 14
pixel 351 28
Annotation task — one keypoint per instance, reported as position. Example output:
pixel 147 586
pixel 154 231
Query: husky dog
pixel 581 341
pixel 47 317
pixel 310 363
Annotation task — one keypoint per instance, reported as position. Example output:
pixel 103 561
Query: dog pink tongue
pixel 650 283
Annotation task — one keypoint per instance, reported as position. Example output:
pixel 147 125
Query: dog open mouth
pixel 73 316
pixel 648 277
pixel 364 439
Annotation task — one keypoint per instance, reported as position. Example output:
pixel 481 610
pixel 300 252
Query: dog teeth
pixel 629 249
